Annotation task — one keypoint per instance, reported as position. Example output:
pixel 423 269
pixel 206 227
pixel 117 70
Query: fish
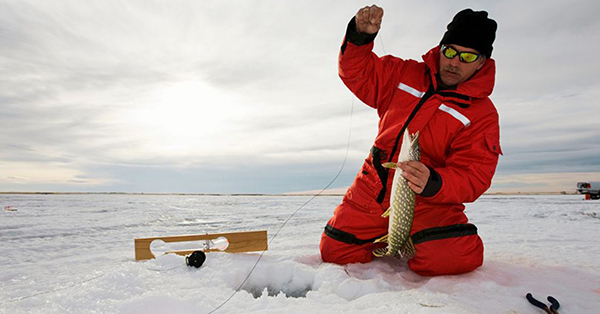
pixel 402 204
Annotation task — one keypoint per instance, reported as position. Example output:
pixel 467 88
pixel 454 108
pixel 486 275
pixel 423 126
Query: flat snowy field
pixel 75 254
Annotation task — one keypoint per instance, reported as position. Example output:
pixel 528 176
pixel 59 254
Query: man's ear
pixel 482 62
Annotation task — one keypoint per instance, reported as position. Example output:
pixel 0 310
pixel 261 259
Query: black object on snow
pixel 195 259
pixel 553 309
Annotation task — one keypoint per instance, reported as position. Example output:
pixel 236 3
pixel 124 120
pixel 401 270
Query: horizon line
pixel 257 194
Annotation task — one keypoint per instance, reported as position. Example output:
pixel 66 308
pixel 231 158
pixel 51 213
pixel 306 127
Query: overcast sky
pixel 244 97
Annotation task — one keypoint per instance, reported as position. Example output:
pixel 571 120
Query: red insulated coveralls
pixel 459 138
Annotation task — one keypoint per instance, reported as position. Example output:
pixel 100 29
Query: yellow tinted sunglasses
pixel 466 57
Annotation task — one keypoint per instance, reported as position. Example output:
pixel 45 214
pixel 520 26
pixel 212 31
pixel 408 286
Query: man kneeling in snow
pixel 445 99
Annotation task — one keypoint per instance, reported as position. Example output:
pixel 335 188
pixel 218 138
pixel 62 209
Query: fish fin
pixel 387 212
pixel 380 252
pixel 382 239
pixel 408 250
pixel 391 165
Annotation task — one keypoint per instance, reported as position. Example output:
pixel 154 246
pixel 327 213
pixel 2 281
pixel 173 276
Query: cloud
pixel 178 96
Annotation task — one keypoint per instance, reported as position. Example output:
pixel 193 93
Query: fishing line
pixel 301 206
pixel 381 41
pixel 294 213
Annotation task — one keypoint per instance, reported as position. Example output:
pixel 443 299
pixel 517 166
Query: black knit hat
pixel 472 29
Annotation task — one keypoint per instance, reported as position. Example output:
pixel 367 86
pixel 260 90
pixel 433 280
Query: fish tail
pixel 380 252
pixel 408 250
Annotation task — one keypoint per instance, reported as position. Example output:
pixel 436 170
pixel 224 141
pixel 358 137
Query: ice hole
pixel 272 291
pixel 274 277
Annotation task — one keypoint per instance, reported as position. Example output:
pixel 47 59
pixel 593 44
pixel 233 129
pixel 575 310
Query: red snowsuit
pixel 459 138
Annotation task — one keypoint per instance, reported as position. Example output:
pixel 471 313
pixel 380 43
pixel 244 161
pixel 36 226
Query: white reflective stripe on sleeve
pixel 411 90
pixel 459 116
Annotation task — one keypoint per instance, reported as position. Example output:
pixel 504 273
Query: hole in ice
pixel 290 279
pixel 159 247
pixel 272 291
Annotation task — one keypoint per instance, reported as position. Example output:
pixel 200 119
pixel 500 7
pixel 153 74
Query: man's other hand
pixel 416 173
pixel 368 19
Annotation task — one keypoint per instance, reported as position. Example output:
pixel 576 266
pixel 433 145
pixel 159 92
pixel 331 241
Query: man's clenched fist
pixel 368 19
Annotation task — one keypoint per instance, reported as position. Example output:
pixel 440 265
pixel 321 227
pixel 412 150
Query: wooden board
pixel 248 241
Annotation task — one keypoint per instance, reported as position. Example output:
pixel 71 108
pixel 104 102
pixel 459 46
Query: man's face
pixel 453 71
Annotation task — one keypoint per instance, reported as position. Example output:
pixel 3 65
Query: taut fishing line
pixel 294 213
pixel 382 46
pixel 301 206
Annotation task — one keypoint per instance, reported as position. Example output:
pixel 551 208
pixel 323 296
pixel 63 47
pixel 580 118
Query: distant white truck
pixel 591 188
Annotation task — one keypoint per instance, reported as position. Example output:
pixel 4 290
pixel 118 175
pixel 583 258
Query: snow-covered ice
pixel 74 254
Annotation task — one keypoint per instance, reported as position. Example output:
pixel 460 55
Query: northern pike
pixel 402 204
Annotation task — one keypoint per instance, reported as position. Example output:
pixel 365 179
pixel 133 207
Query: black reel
pixel 195 259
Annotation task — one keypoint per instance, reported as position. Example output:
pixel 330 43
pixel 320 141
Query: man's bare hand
pixel 368 19
pixel 416 173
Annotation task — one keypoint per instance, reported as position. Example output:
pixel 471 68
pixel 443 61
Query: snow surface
pixel 74 254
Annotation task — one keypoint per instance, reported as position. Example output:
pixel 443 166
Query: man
pixel 445 99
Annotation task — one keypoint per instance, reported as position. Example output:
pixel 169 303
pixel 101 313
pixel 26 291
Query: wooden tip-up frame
pixel 248 241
